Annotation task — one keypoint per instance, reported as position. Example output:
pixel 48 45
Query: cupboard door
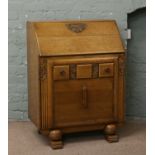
pixel 79 102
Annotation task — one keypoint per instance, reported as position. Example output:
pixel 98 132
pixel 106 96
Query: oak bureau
pixel 75 77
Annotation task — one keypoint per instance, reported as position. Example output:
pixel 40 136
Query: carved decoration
pixel 76 27
pixel 73 71
pixel 43 69
pixel 121 65
pixel 44 100
pixel 95 70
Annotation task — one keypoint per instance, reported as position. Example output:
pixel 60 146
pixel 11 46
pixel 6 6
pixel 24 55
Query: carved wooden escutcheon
pixel 76 27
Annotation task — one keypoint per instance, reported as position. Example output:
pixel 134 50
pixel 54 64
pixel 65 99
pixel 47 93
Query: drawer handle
pixel 84 97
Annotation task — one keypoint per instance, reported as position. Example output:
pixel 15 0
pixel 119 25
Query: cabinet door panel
pixel 69 106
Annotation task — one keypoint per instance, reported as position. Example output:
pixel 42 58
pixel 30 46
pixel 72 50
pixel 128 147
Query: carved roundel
pixel 76 27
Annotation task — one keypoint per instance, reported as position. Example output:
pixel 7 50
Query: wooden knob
pixel 107 70
pixel 110 129
pixel 62 73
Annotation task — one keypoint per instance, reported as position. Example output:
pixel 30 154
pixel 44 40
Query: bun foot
pixel 56 144
pixel 112 138
pixel 110 133
pixel 56 139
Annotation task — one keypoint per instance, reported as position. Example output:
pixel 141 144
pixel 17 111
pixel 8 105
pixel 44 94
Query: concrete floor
pixel 25 140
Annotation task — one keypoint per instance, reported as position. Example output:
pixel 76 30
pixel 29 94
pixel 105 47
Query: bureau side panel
pixel 33 76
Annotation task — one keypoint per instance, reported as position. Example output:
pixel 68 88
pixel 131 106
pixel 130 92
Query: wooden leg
pixel 110 133
pixel 56 139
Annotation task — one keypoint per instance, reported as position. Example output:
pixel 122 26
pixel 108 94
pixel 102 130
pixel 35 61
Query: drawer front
pixel 61 72
pixel 106 70
pixel 84 71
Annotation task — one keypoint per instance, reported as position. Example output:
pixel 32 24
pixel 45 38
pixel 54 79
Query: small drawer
pixel 106 70
pixel 61 72
pixel 84 71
